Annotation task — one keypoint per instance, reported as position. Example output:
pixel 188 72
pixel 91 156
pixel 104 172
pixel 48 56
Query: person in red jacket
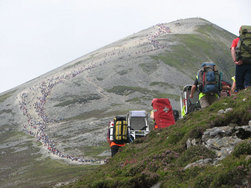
pixel 242 71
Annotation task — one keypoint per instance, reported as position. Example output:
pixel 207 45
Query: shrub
pixel 195 153
pixel 244 148
pixel 229 177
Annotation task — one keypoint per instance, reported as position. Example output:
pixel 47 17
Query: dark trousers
pixel 243 76
pixel 114 149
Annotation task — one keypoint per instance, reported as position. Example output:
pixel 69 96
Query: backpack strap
pixel 203 78
pixel 238 49
pixel 220 84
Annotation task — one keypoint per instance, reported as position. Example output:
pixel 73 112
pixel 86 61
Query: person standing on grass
pixel 241 55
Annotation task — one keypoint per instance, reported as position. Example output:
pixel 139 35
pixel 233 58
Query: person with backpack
pixel 241 55
pixel 118 134
pixel 208 81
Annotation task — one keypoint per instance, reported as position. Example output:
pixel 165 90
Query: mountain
pixel 53 125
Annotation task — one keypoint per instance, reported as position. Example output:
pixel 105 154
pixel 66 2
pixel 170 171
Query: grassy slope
pixel 162 155
pixel 193 49
pixel 23 166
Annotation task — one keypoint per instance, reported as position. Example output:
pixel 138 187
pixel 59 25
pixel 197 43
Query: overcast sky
pixel 37 36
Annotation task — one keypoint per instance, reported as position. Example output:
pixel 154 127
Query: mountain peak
pixel 63 115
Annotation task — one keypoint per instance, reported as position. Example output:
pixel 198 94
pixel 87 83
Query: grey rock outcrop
pixel 201 162
pixel 221 140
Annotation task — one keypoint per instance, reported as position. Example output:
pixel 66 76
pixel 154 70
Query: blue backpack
pixel 209 79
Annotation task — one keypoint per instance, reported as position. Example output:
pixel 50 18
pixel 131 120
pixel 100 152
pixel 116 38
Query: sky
pixel 37 36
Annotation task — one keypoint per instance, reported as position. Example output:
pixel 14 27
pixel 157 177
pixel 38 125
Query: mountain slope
pixel 64 113
pixel 167 158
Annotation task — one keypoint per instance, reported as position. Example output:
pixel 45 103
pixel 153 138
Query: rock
pixel 157 185
pixel 201 162
pixel 223 152
pixel 221 111
pixel 217 131
pixel 225 111
pixel 228 110
pixel 192 142
pixel 222 140
pixel 248 157
pixel 222 144
pixel 188 143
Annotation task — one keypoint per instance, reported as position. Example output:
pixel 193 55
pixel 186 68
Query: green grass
pixel 93 151
pixel 48 172
pixel 161 84
pixel 193 49
pixel 162 155
pixel 22 165
pixel 124 72
pixel 126 90
pixel 193 154
pixel 148 67
pixel 78 99
pixel 5 111
pixel 137 100
pixel 97 114
pixel 99 78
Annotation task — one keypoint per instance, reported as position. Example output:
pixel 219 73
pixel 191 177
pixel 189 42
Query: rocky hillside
pixel 60 118
pixel 207 148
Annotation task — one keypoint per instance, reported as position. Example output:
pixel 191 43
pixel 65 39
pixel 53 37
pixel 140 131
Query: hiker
pixel 208 79
pixel 118 134
pixel 241 55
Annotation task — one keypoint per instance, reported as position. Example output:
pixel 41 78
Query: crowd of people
pixel 162 29
pixel 32 104
pixel 33 99
pixel 208 80
pixel 151 38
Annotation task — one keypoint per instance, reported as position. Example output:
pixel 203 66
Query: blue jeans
pixel 243 76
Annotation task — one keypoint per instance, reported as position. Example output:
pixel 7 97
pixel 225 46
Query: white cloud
pixel 37 36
